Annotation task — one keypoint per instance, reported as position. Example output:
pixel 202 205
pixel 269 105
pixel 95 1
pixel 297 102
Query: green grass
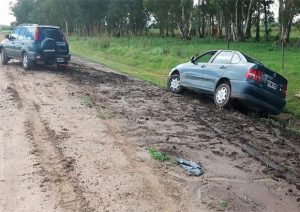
pixel 223 204
pixel 151 58
pixel 105 115
pixel 87 101
pixel 156 155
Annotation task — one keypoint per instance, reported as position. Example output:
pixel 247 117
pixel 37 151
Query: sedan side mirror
pixel 7 37
pixel 193 59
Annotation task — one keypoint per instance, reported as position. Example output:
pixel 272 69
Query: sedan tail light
pixel 254 74
pixel 283 90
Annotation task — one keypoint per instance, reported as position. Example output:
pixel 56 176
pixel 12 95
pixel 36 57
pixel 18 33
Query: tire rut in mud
pixel 55 167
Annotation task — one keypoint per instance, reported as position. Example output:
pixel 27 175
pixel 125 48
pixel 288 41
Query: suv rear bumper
pixel 57 59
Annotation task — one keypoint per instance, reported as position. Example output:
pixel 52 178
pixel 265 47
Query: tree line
pixel 230 19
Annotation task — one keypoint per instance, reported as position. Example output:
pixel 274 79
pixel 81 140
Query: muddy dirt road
pixel 77 140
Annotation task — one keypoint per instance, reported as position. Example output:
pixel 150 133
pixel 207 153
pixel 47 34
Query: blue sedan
pixel 228 75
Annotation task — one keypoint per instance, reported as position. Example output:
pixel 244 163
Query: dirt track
pixel 77 140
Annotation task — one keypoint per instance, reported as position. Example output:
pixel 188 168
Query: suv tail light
pixel 36 34
pixel 254 74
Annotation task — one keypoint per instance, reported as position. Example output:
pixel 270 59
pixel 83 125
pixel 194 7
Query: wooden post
pixel 228 36
pixel 282 54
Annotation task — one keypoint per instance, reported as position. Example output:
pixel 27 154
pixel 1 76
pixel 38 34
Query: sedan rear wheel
pixel 222 95
pixel 174 84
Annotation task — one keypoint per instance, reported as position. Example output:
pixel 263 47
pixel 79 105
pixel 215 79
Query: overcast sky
pixel 6 18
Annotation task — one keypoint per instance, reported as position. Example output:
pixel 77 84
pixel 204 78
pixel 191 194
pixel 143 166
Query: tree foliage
pixel 231 19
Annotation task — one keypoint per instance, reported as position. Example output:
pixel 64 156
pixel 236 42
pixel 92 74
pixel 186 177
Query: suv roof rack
pixel 28 24
pixel 37 25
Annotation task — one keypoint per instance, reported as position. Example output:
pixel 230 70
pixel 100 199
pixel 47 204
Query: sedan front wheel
pixel 174 84
pixel 222 95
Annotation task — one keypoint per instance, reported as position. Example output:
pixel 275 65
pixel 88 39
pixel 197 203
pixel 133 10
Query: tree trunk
pixel 67 26
pixel 247 30
pixel 238 23
pixel 220 31
pixel 287 12
pixel 267 32
pixel 186 19
pixel 257 37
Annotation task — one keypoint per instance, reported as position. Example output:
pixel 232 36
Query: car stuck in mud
pixel 229 75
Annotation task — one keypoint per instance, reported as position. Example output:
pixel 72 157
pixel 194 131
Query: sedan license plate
pixel 60 60
pixel 272 85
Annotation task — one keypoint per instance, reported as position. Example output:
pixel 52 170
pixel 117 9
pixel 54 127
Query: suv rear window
pixel 55 34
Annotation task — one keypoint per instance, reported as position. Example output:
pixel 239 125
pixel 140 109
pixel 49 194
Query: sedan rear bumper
pixel 257 98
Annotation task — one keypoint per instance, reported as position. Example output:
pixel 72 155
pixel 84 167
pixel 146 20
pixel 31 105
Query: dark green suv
pixel 35 44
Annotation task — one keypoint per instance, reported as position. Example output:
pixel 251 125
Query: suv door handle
pixel 203 66
pixel 223 67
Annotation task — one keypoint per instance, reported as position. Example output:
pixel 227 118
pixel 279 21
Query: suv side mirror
pixel 193 59
pixel 7 37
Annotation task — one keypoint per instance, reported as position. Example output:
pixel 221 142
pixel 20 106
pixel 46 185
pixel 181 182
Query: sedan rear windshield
pixel 55 34
pixel 251 60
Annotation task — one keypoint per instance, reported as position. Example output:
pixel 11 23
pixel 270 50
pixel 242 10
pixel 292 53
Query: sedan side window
pixel 15 34
pixel 235 59
pixel 223 58
pixel 205 58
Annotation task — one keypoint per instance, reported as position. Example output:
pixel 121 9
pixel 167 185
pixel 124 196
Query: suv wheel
pixel 26 62
pixel 48 47
pixel 222 95
pixel 4 59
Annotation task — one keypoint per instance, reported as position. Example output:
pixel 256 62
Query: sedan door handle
pixel 223 67
pixel 203 66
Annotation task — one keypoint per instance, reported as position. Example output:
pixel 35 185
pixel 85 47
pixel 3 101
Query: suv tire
pixel 26 63
pixel 4 59
pixel 48 47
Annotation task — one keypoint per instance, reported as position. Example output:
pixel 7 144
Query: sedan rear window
pixel 251 60
pixel 55 34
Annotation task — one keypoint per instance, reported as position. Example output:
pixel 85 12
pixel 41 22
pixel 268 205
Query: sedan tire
pixel 174 84
pixel 222 95
pixel 4 59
